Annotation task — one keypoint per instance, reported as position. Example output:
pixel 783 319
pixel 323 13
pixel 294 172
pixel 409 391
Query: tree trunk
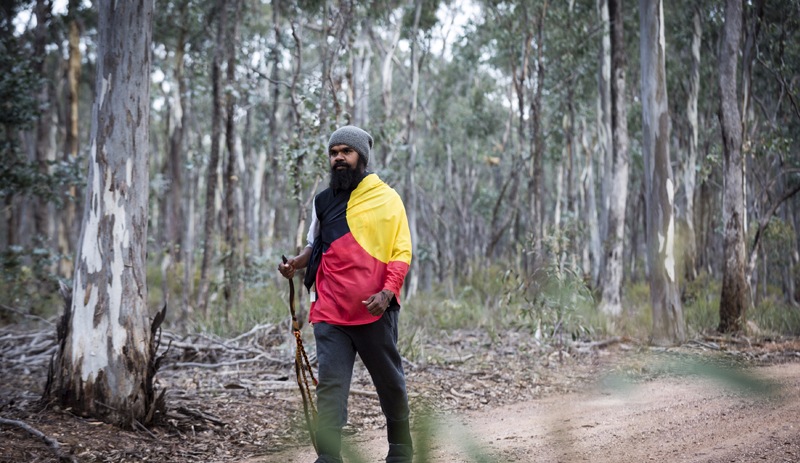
pixel 536 187
pixel 44 123
pixel 233 288
pixel 604 134
pixel 592 251
pixel 387 70
pixel 612 275
pixel 690 163
pixel 361 58
pixel 411 140
pixel 189 228
pixel 668 323
pixel 273 183
pixel 104 357
pixel 68 233
pixel 735 296
pixel 213 160
pixel 788 270
pixel 175 215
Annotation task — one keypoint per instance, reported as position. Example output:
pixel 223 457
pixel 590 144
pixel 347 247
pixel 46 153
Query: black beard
pixel 345 179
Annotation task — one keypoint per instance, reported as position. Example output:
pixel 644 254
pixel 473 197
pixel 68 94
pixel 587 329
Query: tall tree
pixel 598 230
pixel 690 163
pixel 611 302
pixel 233 286
pixel 735 296
pixel 668 322
pixel 217 104
pixel 68 230
pixel 106 342
pixel 44 150
pixel 604 134
pixel 411 140
pixel 536 187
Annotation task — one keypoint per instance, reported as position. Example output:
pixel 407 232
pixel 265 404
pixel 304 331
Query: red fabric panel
pixel 346 276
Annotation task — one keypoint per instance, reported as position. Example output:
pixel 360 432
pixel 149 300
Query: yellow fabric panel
pixel 377 219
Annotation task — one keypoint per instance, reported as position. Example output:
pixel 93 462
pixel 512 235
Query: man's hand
pixel 379 302
pixel 287 269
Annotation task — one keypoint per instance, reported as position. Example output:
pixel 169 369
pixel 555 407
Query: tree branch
pixel 763 223
pixel 52 443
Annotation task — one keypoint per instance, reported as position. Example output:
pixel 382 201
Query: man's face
pixel 347 167
pixel 343 157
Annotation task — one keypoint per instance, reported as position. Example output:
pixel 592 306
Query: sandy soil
pixel 688 419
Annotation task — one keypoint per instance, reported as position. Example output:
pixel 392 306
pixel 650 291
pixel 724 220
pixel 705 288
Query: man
pixel 358 256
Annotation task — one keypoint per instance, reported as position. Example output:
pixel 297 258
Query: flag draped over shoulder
pixel 365 247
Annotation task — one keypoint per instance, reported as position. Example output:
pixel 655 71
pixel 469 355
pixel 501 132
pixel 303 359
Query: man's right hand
pixel 287 269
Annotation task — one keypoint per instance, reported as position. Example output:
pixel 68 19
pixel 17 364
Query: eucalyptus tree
pixel 217 105
pixel 685 24
pixel 518 46
pixel 598 230
pixel 43 139
pixel 233 286
pixel 105 359
pixel 68 229
pixel 668 322
pixel 772 122
pixel 611 280
pixel 735 297
pixel 690 170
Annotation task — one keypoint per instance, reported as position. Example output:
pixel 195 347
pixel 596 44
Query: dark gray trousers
pixel 376 344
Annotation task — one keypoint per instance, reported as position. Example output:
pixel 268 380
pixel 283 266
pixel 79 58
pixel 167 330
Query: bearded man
pixel 358 255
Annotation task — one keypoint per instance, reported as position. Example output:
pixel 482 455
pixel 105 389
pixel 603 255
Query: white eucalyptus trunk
pixel 604 130
pixel 668 323
pixel 103 364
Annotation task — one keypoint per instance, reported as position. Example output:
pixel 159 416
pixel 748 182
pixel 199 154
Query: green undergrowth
pixel 553 304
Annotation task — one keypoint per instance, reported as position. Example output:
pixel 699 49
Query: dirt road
pixel 492 399
pixel 669 419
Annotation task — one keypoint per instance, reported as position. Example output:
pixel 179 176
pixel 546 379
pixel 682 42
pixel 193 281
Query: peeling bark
pixel 668 323
pixel 105 353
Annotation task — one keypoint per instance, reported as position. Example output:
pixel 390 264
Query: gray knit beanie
pixel 353 137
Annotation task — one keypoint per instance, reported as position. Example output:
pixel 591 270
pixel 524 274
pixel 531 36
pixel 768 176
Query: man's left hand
pixel 378 302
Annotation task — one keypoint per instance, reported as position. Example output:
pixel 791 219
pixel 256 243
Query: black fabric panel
pixel 331 209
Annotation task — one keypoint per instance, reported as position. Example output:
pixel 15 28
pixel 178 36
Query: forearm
pixel 395 275
pixel 301 260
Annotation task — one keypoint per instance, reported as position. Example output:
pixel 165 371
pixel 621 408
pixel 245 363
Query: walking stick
pixel 302 369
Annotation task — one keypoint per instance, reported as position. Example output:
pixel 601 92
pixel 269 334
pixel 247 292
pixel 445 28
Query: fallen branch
pixel 52 443
pixel 201 415
pixel 268 326
pixel 224 364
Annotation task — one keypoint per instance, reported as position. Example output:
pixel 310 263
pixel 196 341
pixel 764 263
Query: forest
pixel 579 176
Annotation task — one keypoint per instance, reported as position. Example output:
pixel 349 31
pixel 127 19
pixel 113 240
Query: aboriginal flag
pixel 366 247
